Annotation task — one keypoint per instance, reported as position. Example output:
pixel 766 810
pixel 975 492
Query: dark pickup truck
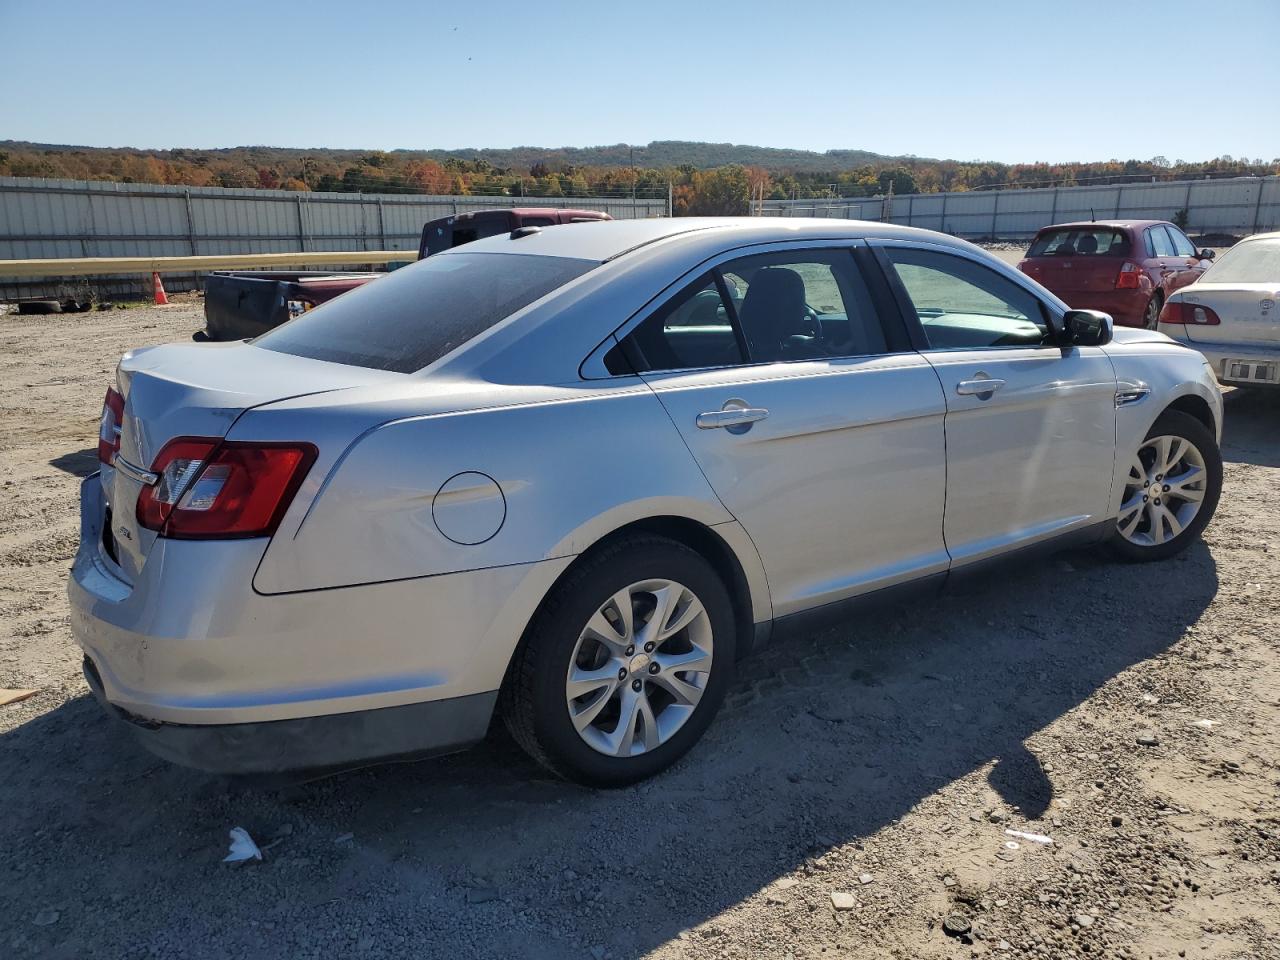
pixel 239 305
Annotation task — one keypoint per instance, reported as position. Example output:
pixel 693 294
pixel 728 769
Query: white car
pixel 577 474
pixel 1232 313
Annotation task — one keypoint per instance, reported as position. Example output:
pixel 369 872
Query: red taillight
pixel 1128 277
pixel 210 489
pixel 109 428
pixel 1176 311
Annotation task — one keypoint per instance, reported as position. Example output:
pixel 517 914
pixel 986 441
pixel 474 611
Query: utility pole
pixel 633 176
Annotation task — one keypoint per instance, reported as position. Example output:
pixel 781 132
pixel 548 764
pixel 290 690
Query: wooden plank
pixel 110 266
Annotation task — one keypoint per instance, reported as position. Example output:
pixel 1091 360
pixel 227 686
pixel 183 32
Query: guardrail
pixel 122 266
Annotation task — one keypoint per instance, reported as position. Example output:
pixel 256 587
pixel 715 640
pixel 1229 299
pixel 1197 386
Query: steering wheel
pixel 807 338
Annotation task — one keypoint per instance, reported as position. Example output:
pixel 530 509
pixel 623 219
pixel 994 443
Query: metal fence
pixel 77 218
pixel 1236 207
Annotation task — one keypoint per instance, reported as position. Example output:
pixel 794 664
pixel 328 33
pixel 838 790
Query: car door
pixel 1187 265
pixel 814 420
pixel 1030 426
pixel 1167 264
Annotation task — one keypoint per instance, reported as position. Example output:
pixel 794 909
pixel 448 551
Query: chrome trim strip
pixel 1131 391
pixel 144 477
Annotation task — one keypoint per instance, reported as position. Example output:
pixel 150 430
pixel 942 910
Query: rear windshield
pixel 414 316
pixel 1257 261
pixel 1080 242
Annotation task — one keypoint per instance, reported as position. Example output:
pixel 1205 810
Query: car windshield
pixel 1257 261
pixel 1079 242
pixel 416 315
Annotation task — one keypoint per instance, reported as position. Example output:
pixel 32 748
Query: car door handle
pixel 734 417
pixel 971 388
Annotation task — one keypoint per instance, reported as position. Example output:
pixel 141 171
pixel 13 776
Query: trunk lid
pixel 1082 258
pixel 1066 275
pixel 1249 312
pixel 198 390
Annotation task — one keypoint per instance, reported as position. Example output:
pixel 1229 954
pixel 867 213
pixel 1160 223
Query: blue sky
pixel 1010 81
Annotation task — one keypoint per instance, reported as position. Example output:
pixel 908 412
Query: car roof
pixel 606 240
pixel 1114 224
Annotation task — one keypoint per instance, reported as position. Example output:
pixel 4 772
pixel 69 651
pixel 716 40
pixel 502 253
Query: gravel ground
pixel 851 800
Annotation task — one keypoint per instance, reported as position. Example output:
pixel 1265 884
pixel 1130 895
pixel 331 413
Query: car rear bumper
pixel 191 644
pixel 1222 355
pixel 1125 306
pixel 311 745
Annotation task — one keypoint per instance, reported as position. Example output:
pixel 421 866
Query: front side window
pixel 414 316
pixel 768 308
pixel 964 304
pixel 1182 246
pixel 1160 242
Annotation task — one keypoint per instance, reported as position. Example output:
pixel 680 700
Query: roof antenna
pixel 1093 216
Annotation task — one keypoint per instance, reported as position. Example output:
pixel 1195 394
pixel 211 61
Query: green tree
pixel 723 192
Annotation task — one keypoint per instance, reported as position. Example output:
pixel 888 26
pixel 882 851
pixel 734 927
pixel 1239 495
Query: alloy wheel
pixel 1151 316
pixel 1163 492
pixel 639 668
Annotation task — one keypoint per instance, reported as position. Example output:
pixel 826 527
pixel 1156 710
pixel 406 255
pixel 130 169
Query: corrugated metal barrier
pixel 75 218
pixel 1238 207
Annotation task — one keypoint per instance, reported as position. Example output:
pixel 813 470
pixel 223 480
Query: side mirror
pixel 1206 254
pixel 1086 328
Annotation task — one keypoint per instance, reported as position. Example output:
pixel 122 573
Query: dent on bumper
pixel 191 643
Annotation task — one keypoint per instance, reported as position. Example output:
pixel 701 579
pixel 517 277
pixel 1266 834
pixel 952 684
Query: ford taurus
pixel 573 476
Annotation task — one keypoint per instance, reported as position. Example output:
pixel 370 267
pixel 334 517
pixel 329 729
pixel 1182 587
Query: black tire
pixel 1175 423
pixel 32 307
pixel 533 702
pixel 1151 315
pixel 200 336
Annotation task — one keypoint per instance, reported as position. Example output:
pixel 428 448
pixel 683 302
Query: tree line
pixel 712 188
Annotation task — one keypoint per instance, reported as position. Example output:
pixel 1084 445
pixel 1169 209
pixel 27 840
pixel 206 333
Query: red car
pixel 1126 268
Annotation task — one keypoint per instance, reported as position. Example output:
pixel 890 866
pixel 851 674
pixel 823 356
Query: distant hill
pixel 659 154
pixel 699 178
pixel 669 153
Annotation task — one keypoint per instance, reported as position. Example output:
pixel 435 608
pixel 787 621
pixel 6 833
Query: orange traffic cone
pixel 158 289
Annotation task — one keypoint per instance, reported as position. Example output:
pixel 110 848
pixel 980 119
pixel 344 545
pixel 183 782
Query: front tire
pixel 1171 491
pixel 625 665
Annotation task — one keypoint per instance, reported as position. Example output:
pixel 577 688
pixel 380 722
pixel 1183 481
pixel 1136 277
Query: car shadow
pixel 825 739
pixel 79 464
pixel 1251 420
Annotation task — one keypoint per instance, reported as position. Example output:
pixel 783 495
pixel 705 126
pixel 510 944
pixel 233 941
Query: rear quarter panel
pixel 570 470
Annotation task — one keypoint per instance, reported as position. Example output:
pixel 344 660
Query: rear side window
pixel 1079 242
pixel 769 308
pixel 414 316
pixel 693 329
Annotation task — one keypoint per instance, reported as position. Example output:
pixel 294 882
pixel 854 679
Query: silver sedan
pixel 574 475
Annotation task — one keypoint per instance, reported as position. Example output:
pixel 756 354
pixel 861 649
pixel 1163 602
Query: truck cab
pixel 447 232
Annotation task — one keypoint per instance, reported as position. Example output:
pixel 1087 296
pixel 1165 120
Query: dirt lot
pixel 1128 713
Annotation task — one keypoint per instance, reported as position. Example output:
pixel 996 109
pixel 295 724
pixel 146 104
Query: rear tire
pixel 1151 315
pixel 625 724
pixel 1172 491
